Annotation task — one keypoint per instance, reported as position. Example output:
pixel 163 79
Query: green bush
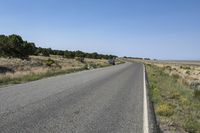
pixel 45 52
pixel 49 62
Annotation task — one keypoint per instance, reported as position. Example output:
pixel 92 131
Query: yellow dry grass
pixel 36 65
pixel 189 71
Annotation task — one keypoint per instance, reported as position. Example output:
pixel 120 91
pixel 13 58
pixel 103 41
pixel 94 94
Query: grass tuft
pixel 165 109
pixel 191 125
pixel 36 76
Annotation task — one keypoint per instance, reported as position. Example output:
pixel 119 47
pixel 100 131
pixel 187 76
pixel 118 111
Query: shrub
pixel 80 59
pixel 86 67
pixel 49 62
pixel 45 52
pixel 155 93
pixel 149 65
pixel 197 93
pixel 185 67
pixel 191 125
pixel 174 69
pixel 165 109
pixel 195 84
pixel 175 95
pixel 184 101
pixel 168 68
pixel 92 65
pixel 187 72
pixel 176 76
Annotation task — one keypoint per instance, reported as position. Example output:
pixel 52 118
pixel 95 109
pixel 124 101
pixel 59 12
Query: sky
pixel 157 29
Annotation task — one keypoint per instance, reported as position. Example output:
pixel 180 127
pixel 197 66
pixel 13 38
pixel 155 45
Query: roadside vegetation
pixel 177 104
pixel 15 70
pixel 188 74
pixel 22 61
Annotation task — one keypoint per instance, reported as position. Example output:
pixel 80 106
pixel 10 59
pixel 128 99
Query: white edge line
pixel 145 108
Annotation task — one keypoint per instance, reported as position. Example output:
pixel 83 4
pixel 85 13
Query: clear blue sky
pixel 163 29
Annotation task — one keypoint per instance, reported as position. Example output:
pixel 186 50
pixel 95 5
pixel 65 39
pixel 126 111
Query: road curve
pixel 106 100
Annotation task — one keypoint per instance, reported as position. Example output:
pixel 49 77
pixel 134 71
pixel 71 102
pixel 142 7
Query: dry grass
pixel 176 106
pixel 187 71
pixel 36 68
pixel 187 74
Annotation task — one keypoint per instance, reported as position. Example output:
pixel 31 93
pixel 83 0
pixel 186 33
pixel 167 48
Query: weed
pixel 155 94
pixel 197 93
pixel 176 76
pixel 191 125
pixel 183 101
pixel 175 95
pixel 165 109
pixel 49 62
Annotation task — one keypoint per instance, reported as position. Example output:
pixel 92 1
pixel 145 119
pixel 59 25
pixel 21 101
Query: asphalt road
pixel 106 100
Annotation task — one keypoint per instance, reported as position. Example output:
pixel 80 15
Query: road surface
pixel 106 100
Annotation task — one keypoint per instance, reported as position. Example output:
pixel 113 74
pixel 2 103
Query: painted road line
pixel 145 108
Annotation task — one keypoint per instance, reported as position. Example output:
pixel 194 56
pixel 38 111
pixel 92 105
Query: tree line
pixel 15 46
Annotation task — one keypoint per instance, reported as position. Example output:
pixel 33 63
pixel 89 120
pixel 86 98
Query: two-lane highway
pixel 106 100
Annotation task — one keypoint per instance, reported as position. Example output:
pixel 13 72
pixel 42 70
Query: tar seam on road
pixel 145 108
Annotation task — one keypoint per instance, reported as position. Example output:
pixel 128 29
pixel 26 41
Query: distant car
pixel 111 61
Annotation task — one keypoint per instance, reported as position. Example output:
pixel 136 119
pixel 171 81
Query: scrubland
pixel 189 73
pixel 15 70
pixel 175 93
